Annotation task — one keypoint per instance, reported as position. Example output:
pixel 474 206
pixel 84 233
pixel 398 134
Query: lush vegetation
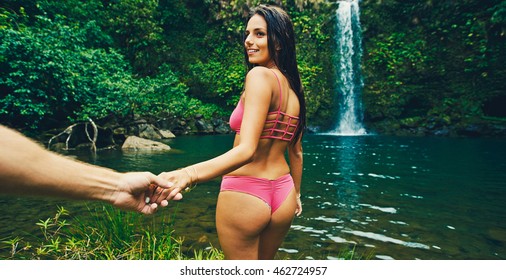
pixel 425 62
pixel 434 62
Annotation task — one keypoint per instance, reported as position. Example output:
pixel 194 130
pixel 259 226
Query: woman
pixel 260 192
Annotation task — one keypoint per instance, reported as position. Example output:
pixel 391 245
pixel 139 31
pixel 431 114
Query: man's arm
pixel 28 169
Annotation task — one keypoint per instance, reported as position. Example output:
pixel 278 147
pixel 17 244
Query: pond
pixel 381 197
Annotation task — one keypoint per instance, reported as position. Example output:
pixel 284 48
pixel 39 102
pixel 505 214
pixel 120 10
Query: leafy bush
pixel 49 74
pixel 219 82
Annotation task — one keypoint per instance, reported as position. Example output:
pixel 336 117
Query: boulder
pixel 137 143
pixel 221 127
pixel 149 131
pixel 167 134
pixel 204 126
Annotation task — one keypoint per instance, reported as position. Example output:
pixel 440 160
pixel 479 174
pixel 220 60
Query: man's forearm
pixel 26 168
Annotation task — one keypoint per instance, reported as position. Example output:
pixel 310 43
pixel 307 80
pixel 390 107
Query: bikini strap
pixel 280 93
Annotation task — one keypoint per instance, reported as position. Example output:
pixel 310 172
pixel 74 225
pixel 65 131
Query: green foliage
pixel 136 28
pixel 166 94
pixel 33 62
pixel 69 60
pixel 48 72
pixel 314 33
pixel 11 19
pixel 433 59
pixel 393 63
pixel 396 56
pixel 219 82
pixel 310 77
pixel 499 14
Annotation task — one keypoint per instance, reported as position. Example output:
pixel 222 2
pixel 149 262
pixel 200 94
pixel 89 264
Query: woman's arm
pixel 295 157
pixel 296 164
pixel 257 96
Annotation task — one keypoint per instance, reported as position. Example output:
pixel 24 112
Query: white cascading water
pixel 350 83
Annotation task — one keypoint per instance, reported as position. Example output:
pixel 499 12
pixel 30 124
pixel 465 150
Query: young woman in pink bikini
pixel 260 191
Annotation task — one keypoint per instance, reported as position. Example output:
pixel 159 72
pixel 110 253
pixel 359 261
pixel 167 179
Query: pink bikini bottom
pixel 272 192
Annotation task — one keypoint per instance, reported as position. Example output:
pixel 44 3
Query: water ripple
pixel 382 209
pixel 398 223
pixel 383 176
pixel 308 229
pixel 384 257
pixel 412 196
pixel 381 237
pixel 289 251
pixel 328 220
pixel 340 239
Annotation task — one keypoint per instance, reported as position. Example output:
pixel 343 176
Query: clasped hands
pixel 179 180
pixel 144 192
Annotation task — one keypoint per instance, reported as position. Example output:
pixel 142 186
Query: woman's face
pixel 256 42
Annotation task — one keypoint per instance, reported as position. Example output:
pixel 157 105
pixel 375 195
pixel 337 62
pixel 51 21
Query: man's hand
pixel 136 190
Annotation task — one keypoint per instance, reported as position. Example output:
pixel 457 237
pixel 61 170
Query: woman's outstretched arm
pixel 257 96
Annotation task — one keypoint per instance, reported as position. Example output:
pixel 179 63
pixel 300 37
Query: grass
pixel 353 255
pixel 108 234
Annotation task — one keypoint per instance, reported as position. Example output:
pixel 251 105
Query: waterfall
pixel 350 83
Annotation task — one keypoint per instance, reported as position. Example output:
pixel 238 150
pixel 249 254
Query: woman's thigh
pixel 240 218
pixel 274 234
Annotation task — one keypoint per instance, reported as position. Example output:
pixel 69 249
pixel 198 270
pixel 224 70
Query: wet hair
pixel 281 45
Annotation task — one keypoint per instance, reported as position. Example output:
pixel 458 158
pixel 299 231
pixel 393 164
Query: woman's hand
pixel 298 208
pixel 180 180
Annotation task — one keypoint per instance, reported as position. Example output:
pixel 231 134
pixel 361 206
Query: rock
pixel 221 127
pixel 203 126
pixel 120 130
pixel 149 131
pixel 137 143
pixel 167 134
pixel 166 123
pixel 442 132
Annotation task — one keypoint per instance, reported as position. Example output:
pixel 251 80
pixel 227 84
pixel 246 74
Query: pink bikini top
pixel 281 127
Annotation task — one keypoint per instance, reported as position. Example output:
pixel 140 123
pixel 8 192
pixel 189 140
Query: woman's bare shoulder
pixel 259 72
pixel 260 76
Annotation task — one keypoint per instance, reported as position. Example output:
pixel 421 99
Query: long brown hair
pixel 280 33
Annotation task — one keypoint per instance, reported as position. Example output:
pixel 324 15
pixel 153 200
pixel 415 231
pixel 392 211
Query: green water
pixel 383 197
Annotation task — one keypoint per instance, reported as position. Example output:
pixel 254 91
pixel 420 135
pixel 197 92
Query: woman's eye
pixel 260 34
